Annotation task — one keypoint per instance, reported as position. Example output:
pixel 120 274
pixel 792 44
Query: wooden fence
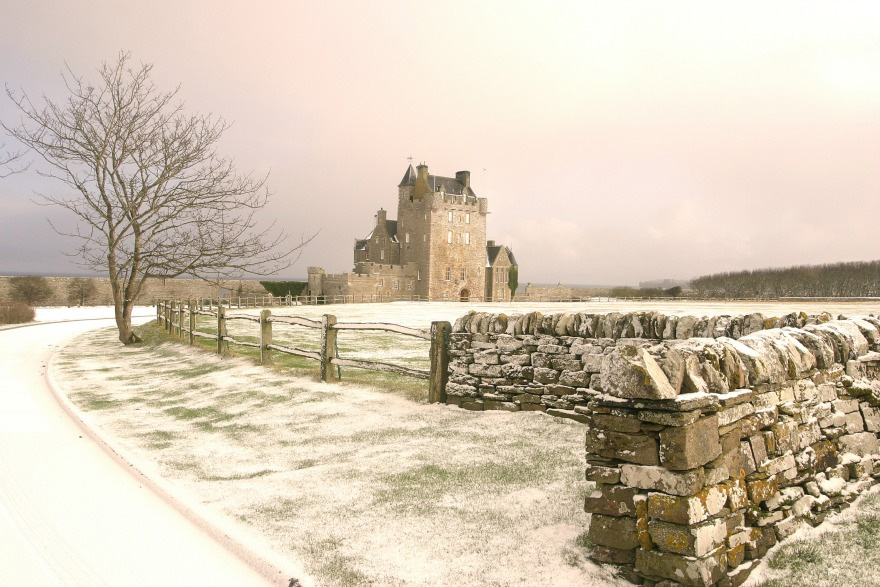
pixel 179 318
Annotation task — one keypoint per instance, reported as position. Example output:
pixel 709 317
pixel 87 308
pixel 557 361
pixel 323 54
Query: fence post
pixel 221 327
pixel 265 337
pixel 158 312
pixel 439 362
pixel 168 306
pixel 192 321
pixel 180 312
pixel 328 348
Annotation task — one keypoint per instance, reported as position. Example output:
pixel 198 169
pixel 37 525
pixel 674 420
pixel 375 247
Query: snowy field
pixel 360 485
pixel 363 485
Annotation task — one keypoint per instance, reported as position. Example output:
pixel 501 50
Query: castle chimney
pixel 464 177
pixel 382 216
pixel 490 243
pixel 422 172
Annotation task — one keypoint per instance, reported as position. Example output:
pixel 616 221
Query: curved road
pixel 69 513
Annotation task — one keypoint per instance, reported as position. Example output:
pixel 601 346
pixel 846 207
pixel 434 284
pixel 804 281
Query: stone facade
pixel 707 439
pixel 435 250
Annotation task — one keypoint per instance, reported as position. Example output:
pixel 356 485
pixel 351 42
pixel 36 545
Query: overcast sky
pixel 616 141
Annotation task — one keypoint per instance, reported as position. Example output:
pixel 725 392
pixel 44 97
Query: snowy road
pixel 70 514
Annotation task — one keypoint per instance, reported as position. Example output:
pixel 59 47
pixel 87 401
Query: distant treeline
pixel 857 279
pixel 644 292
pixel 283 288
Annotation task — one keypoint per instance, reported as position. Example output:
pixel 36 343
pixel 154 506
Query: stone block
pixel 670 418
pixel 615 423
pixel 604 554
pixel 853 422
pixel 544 375
pixel 520 360
pixel 574 378
pixel 735 414
pixel 786 436
pixel 502 406
pixel 737 493
pixel 475 405
pixel 592 363
pixel 565 363
pixel 612 500
pixel 662 480
pixel 480 370
pixel 759 449
pixel 527 398
pixel 690 571
pixel 691 540
pixel 871 416
pixel 762 489
pixel 747 459
pixel 487 358
pixel 691 446
pixel 614 532
pixel 631 372
pixel 862 443
pixel 642 450
pixel 687 509
pixel 778 465
pixel 508 344
pixel 600 474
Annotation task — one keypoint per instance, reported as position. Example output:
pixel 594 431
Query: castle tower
pixel 442 229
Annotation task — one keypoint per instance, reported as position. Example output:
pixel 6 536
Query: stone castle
pixel 435 250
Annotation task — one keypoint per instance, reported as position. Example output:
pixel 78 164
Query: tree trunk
pixel 123 323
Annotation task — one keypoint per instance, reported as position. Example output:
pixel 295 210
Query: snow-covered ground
pixel 70 514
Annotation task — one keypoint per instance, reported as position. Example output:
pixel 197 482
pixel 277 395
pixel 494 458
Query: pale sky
pixel 616 141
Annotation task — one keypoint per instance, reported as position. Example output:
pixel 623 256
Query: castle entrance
pixel 465 295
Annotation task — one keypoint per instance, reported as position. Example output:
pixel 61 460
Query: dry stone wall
pixel 706 447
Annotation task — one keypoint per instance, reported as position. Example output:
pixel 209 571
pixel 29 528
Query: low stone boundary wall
pixel 704 451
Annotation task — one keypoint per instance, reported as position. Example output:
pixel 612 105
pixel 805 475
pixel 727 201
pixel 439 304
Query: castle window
pixel 448 274
pixel 409 284
pixel 425 237
pixel 407 237
pixel 419 274
pixel 463 273
pixel 467 238
pixel 449 216
pixel 381 283
pixel 467 218
pixel 382 254
pixel 377 240
pixel 396 284
pixel 449 237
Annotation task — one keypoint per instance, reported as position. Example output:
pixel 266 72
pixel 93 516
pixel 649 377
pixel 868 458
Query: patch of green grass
pixel 209 413
pixel 238 476
pixel 92 402
pixel 795 556
pixel 158 439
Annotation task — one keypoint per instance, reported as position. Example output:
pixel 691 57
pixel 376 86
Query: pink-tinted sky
pixel 616 141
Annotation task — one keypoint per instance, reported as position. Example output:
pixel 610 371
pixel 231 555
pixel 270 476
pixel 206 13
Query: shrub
pixel 30 289
pixel 283 288
pixel 15 313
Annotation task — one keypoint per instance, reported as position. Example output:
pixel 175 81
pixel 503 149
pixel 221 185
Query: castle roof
pixel 360 245
pixel 409 178
pixel 452 185
pixel 391 227
pixel 493 252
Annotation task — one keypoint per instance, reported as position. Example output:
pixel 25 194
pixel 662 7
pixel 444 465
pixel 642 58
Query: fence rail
pixel 179 318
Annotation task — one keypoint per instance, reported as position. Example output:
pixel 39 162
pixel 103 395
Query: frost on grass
pixel 845 550
pixel 362 486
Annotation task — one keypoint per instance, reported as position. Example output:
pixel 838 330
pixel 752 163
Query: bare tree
pixel 11 162
pixel 151 195
pixel 80 289
pixel 30 289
